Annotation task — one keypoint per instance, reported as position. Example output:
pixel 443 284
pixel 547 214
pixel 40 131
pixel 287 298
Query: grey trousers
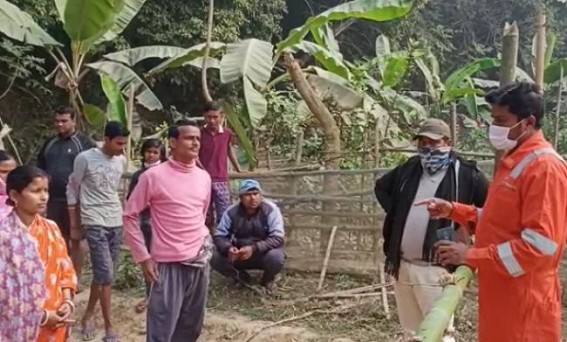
pixel 176 305
pixel 271 262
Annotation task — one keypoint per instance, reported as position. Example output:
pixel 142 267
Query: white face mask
pixel 498 136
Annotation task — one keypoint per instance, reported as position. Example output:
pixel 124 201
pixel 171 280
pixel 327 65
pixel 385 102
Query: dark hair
pixel 115 129
pixel 4 156
pixel 523 100
pixel 212 106
pixel 19 179
pixel 62 110
pixel 173 131
pixel 153 143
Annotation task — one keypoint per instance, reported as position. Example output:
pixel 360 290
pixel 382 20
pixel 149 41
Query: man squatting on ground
pixel 56 158
pixel 178 194
pixel 409 233
pixel 94 186
pixel 214 154
pixel 249 236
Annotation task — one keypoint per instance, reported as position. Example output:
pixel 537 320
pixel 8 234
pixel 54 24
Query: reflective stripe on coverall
pixel 520 237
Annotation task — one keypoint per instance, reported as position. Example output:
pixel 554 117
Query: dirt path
pixel 219 327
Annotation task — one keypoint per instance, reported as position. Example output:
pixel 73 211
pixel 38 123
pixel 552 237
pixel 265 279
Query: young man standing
pixel 178 264
pixel 56 158
pixel 409 234
pixel 94 185
pixel 215 151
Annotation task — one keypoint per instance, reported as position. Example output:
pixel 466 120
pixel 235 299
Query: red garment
pixel 520 237
pixel 213 153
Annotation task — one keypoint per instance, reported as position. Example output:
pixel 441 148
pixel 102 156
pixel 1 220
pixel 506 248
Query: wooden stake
pixel 327 257
pixel 385 302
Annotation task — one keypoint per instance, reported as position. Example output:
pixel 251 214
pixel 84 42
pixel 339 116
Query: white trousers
pixel 416 291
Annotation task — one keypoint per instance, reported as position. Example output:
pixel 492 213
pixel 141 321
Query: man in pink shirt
pixel 177 193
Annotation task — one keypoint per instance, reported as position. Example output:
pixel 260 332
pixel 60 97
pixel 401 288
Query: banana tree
pixel 88 24
pixel 253 61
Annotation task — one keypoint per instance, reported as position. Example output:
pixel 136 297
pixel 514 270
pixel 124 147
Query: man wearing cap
pixel 250 235
pixel 409 233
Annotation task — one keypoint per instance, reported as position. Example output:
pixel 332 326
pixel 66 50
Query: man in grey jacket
pixel 250 235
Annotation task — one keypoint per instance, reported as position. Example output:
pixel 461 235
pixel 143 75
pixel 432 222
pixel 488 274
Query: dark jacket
pixel 145 219
pixel 264 230
pixel 396 190
pixel 56 158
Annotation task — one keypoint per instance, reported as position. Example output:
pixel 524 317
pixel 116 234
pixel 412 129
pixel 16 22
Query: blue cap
pixel 248 185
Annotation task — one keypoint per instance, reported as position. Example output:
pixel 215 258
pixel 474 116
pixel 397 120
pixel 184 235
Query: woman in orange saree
pixel 27 188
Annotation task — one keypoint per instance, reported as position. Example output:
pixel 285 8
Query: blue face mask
pixel 435 159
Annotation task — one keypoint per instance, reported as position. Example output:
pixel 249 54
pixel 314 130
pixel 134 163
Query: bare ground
pixel 234 313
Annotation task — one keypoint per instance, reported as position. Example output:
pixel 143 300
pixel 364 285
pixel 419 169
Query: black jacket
pixel 56 158
pixel 145 219
pixel 396 190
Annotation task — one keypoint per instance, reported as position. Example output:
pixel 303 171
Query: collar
pixel 220 131
pixel 535 142
pixel 68 136
pixel 181 167
pixel 244 213
pixel 18 222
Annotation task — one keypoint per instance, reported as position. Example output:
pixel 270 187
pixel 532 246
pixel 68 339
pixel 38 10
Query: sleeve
pixel 481 185
pixel 542 218
pixel 384 189
pixel 133 182
pixel 133 236
pixel 41 161
pixel 464 214
pixel 223 234
pixel 276 233
pixel 86 142
pixel 209 195
pixel 76 178
pixel 68 275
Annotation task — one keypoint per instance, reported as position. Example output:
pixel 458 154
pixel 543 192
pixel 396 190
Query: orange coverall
pixel 520 237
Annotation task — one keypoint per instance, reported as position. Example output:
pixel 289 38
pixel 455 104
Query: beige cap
pixel 435 129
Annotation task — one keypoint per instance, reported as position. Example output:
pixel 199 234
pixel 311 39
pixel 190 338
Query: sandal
pixel 141 306
pixel 111 338
pixel 88 333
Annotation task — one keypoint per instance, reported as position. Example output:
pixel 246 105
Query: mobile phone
pixel 446 234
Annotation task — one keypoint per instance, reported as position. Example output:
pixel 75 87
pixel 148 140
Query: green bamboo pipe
pixel 437 320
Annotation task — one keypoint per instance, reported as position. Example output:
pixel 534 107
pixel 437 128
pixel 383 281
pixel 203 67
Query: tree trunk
pixel 332 149
pixel 510 40
pixel 206 93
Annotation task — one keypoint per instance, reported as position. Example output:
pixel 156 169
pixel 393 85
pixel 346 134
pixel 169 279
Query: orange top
pixel 59 272
pixel 520 237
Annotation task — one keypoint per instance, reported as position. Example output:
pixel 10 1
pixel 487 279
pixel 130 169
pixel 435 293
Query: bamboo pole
pixel 510 45
pixel 437 320
pixel 558 112
pixel 540 47
pixel 327 258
